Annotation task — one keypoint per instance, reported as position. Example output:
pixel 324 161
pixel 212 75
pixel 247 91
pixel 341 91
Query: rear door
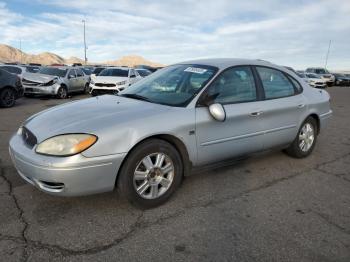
pixel 242 130
pixel 72 80
pixel 284 106
pixel 80 79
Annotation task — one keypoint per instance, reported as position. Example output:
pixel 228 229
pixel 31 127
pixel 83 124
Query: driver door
pixel 242 131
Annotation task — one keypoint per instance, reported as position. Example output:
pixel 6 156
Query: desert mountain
pixel 11 54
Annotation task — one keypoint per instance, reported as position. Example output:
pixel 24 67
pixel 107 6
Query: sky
pixel 287 32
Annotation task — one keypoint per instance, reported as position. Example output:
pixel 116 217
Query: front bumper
pixel 41 90
pixel 106 89
pixel 65 176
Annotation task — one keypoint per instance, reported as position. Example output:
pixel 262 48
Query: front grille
pixel 105 84
pixel 28 137
pixel 29 82
pixel 319 83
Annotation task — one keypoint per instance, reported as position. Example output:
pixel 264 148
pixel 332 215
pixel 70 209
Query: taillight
pixel 18 82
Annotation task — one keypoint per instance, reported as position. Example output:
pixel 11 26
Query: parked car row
pixel 61 80
pixel 321 78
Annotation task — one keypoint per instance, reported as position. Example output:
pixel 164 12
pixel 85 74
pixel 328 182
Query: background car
pixel 315 80
pixel 322 73
pixel 341 79
pixel 10 88
pixel 32 68
pixel 143 72
pixel 57 81
pixel 113 80
pixel 14 69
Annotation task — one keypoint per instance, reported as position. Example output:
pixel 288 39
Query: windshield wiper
pixel 135 96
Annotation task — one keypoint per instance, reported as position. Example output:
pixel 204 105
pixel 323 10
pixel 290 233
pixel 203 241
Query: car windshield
pixel 61 72
pixel 87 71
pixel 312 76
pixel 144 72
pixel 98 70
pixel 321 71
pixel 32 69
pixel 114 72
pixel 174 85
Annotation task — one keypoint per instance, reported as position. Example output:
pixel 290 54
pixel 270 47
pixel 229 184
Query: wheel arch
pixel 317 119
pixel 171 139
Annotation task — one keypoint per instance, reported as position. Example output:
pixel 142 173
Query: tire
pixel 155 186
pixel 94 93
pixel 300 149
pixel 7 97
pixel 62 93
pixel 86 88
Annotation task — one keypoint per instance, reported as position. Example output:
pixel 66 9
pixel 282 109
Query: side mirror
pixel 132 76
pixel 217 111
pixel 71 76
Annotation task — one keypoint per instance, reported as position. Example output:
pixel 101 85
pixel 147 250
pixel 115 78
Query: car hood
pixel 92 115
pixel 40 78
pixel 109 79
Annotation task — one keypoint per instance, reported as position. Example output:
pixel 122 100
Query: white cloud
pixel 286 32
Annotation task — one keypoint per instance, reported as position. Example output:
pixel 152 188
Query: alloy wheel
pixel 306 137
pixel 153 175
pixel 8 97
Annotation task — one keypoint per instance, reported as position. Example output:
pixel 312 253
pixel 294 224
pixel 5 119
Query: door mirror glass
pixel 217 111
pixel 132 76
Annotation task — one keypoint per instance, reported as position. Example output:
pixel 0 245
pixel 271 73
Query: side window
pixel 275 83
pixel 234 85
pixel 71 73
pixel 79 72
pixel 296 85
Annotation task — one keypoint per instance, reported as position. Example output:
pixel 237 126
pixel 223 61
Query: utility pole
pixel 84 43
pixel 329 47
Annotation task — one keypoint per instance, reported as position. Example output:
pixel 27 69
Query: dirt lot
pixel 267 208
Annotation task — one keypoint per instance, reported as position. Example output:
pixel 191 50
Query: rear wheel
pixel 7 97
pixel 305 141
pixel 86 88
pixel 62 93
pixel 151 173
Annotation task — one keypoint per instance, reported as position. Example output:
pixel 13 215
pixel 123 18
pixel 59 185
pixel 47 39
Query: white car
pixel 322 73
pixel 313 80
pixel 113 80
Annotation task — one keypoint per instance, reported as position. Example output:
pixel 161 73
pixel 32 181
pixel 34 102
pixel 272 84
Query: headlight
pixel 52 82
pixel 66 145
pixel 121 83
pixel 92 81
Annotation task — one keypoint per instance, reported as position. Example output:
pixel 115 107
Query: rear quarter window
pixel 275 83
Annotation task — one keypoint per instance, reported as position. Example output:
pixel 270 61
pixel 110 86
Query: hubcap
pixel 153 175
pixel 306 137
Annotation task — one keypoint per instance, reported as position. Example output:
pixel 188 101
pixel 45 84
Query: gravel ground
pixel 267 208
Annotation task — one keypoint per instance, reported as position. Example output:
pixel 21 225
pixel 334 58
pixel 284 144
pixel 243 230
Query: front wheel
pixel 62 93
pixel 151 173
pixel 305 141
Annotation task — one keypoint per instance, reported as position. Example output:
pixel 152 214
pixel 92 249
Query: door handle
pixel 301 105
pixel 257 113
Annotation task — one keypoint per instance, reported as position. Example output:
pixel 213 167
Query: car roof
pixel 223 63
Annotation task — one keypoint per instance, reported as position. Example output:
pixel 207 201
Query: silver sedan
pixel 146 138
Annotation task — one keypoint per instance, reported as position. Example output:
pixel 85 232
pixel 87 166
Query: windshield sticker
pixel 195 70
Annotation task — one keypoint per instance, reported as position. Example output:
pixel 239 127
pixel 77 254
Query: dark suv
pixel 10 88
